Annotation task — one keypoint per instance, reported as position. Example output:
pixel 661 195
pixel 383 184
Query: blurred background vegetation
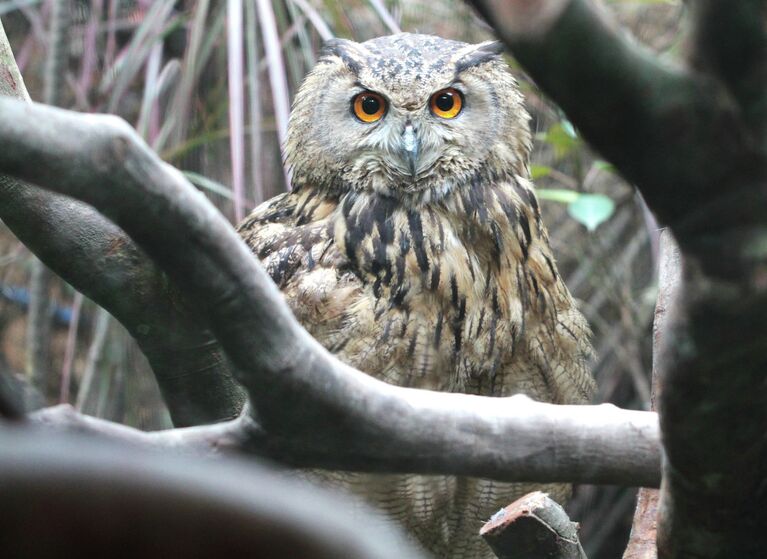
pixel 209 86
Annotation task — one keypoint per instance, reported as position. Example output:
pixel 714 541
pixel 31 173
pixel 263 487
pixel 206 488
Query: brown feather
pixel 456 291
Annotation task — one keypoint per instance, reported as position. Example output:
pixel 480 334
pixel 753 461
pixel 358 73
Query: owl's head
pixel 411 116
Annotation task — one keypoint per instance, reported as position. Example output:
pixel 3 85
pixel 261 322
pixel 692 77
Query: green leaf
pixel 201 181
pixel 591 210
pixel 560 195
pixel 569 129
pixel 604 166
pixel 561 138
pixel 539 171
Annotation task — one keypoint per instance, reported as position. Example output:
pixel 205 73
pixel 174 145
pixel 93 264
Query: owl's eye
pixel 446 103
pixel 368 106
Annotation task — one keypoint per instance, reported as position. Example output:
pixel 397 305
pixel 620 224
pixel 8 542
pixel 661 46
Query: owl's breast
pixel 445 297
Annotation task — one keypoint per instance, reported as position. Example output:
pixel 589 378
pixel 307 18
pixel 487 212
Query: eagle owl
pixel 412 248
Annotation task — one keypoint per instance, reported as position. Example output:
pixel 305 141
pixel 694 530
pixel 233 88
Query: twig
pixel 190 369
pixel 277 78
pixel 642 542
pixel 235 86
pixel 39 324
pixel 93 359
pixel 69 352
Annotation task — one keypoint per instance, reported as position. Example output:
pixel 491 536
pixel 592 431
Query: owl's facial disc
pixel 411 116
pixel 404 147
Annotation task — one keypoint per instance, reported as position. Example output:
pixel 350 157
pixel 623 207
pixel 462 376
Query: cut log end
pixel 533 527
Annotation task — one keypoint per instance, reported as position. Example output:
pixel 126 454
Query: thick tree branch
pixel 348 419
pixel 70 496
pixel 642 542
pixel 676 133
pixel 714 416
pixel 730 41
pixel 532 527
pixel 583 444
pixel 692 138
pixel 63 233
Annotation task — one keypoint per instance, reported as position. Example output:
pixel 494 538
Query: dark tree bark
pixel 692 138
pixel 643 540
pixel 190 367
pixel 72 496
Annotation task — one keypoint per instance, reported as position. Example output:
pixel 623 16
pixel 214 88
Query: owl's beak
pixel 410 148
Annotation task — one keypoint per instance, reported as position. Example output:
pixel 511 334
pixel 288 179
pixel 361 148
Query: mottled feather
pixel 442 281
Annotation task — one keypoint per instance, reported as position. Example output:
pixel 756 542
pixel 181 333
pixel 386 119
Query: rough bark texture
pixel 190 367
pixel 643 540
pixel 533 527
pixel 551 443
pixel 692 137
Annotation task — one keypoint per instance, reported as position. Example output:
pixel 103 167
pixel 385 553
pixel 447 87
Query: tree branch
pixel 190 368
pixel 532 527
pixel 137 503
pixel 676 133
pixel 714 416
pixel 730 41
pixel 692 139
pixel 347 419
pixel 591 444
pixel 643 539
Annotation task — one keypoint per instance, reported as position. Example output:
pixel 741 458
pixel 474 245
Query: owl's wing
pixel 290 235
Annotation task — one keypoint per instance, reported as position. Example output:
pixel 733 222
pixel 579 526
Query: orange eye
pixel 446 103
pixel 368 106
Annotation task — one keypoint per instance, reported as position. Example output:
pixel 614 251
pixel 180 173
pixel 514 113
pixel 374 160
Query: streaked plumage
pixel 430 271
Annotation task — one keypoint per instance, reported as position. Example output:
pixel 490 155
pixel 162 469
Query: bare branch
pixel 674 133
pixel 40 315
pixel 730 41
pixel 642 542
pixel 584 444
pixel 692 139
pixel 348 420
pixel 190 368
pixel 154 505
pixel 532 527
pixel 713 416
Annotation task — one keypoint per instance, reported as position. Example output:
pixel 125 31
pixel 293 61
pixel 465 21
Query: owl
pixel 412 248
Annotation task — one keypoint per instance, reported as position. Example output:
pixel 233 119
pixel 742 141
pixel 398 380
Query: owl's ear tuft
pixel 478 54
pixel 348 51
